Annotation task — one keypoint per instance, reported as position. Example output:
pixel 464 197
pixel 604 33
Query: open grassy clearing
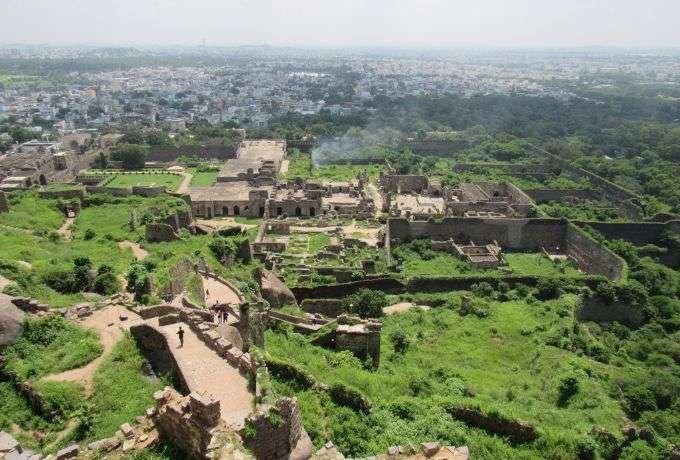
pixel 169 180
pixel 300 165
pixel 500 359
pixel 202 179
pixel 442 264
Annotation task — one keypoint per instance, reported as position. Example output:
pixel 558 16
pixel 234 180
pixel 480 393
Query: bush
pixel 89 234
pixel 345 395
pixel 482 289
pixel 548 289
pixel 568 387
pixel 106 283
pixel 400 341
pixel 367 303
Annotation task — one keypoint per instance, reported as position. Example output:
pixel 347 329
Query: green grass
pixel 168 180
pixel 300 165
pixel 203 179
pixel 49 345
pixel 108 217
pixel 442 264
pixel 120 391
pixel 29 212
pixel 500 359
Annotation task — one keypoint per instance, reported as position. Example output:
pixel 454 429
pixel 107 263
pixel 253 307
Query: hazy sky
pixel 644 23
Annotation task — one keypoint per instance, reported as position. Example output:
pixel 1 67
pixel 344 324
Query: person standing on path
pixel 180 334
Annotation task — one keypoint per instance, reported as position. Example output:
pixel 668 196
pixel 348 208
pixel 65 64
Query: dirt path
pixel 218 292
pixel 377 198
pixel 65 229
pixel 137 251
pixel 110 328
pixel 204 371
pixel 184 185
pixel 402 307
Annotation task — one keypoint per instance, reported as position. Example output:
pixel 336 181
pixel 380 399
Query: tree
pixel 132 156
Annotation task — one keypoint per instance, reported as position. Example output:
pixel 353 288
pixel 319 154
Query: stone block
pixel 211 336
pixel 234 355
pixel 222 345
pixel 430 448
pixel 127 430
pixel 168 319
pixel 205 408
pixel 7 442
pixel 68 452
pixel 245 363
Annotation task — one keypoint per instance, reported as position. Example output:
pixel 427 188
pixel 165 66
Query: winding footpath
pixel 206 372
pixel 108 324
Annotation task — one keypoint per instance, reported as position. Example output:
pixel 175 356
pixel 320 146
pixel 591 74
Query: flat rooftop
pixel 224 191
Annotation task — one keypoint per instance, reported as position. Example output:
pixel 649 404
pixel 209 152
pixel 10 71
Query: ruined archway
pixel 279 211
pixel 237 211
pixel 312 212
pixel 298 211
pixel 42 179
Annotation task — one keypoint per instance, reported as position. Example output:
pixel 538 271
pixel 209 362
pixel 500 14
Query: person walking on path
pixel 180 334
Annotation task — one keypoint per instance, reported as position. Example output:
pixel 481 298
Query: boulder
pixel 274 290
pixel 11 321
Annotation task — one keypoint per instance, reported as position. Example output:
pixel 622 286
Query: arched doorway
pixel 312 212
pixel 279 211
pixel 237 211
pixel 225 211
pixel 298 212
pixel 42 179
pixel 261 212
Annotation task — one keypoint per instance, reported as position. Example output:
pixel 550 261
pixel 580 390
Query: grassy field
pixel 499 359
pixel 300 165
pixel 32 249
pixel 203 179
pixel 168 180
pixel 121 392
pixel 441 264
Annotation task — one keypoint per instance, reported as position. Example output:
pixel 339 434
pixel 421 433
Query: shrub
pixel 482 289
pixel 89 234
pixel 345 395
pixel 106 283
pixel 400 341
pixel 548 289
pixel 367 303
pixel 568 387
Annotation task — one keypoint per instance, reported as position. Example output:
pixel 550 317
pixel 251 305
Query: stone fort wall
pixel 204 152
pixel 517 234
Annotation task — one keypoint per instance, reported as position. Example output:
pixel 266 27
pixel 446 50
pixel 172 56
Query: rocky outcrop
pixel 160 232
pixel 11 321
pixel 274 290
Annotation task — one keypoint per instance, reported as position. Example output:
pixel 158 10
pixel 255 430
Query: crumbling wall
pixel 159 232
pixel 405 183
pixel 192 423
pixel 549 194
pixel 337 291
pixel 517 431
pixel 519 234
pixel 591 256
pixel 273 434
pixel 331 308
pixel 362 339
pixel 75 192
pixel 594 308
pixel 638 233
pixel 157 350
pixel 148 190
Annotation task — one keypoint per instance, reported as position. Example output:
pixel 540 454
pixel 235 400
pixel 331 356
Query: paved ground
pixel 206 372
pixel 137 251
pixel 110 328
pixel 217 292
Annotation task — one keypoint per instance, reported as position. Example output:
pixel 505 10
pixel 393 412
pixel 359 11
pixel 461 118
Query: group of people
pixel 220 313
